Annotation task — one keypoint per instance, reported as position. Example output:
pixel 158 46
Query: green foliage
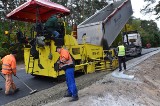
pixel 3 52
pixel 118 39
pixel 157 10
pixel 9 42
pixel 80 10
pixel 151 33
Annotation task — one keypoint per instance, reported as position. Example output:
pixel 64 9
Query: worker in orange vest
pixel 66 64
pixel 9 68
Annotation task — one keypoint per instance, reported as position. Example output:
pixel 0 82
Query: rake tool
pixel 32 91
pixel 2 76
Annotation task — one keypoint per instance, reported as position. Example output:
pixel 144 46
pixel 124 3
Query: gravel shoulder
pixel 101 89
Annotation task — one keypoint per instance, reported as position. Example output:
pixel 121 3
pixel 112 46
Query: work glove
pixel 56 66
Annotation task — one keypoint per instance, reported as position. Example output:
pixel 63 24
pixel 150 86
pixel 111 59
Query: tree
pixel 151 33
pixel 81 9
pixel 157 10
pixel 149 9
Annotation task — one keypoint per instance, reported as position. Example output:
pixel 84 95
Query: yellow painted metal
pixel 93 51
pixel 115 63
pixel 43 60
pixel 6 32
pixel 90 67
pixel 70 40
pixel 88 58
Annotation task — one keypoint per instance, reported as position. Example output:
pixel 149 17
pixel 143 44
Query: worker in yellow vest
pixel 121 56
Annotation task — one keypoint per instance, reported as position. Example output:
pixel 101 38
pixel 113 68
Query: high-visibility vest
pixel 8 64
pixel 121 50
pixel 65 54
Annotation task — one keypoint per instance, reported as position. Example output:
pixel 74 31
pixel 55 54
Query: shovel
pixel 2 76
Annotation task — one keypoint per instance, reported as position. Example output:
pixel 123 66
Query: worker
pixel 66 64
pixel 121 56
pixel 9 68
pixel 51 25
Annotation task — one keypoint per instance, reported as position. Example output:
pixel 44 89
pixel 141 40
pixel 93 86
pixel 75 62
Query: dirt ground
pixel 144 90
pixel 102 89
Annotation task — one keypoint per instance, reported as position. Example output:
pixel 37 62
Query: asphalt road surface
pixel 39 83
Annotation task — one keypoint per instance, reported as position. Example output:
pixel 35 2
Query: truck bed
pixel 103 27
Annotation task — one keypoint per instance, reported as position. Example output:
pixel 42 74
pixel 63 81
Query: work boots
pixel 74 98
pixel 11 92
pixel 67 95
pixel 16 90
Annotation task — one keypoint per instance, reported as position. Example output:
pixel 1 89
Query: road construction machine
pixel 90 50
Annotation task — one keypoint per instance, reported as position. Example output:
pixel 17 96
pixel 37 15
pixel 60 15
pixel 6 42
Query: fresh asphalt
pixel 39 83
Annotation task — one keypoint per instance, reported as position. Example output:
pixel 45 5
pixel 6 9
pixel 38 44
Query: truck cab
pixel 133 44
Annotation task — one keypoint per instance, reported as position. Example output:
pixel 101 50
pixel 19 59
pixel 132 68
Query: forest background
pixel 80 10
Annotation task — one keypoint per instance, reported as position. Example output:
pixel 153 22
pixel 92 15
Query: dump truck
pixel 103 27
pixel 89 56
pixel 133 44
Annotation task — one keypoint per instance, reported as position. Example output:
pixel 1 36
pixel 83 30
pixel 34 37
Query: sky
pixel 137 5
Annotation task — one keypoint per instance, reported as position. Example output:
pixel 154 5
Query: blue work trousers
pixel 56 34
pixel 70 81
